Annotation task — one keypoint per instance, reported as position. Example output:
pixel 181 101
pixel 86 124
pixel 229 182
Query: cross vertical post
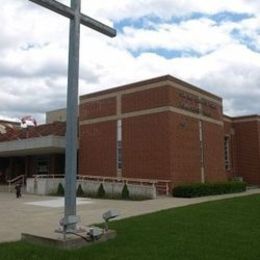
pixel 76 19
pixel 72 116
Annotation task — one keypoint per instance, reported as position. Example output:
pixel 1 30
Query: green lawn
pixel 227 229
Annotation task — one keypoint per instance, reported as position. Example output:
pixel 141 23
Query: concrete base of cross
pixel 71 241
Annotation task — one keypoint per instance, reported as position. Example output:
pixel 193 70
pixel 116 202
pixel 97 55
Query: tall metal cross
pixel 76 18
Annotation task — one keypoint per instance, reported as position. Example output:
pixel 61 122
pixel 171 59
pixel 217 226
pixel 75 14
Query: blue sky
pixel 212 44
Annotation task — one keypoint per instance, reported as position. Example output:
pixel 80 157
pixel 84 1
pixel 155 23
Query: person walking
pixel 18 188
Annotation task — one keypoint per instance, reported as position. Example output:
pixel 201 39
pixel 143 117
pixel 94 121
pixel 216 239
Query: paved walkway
pixel 39 215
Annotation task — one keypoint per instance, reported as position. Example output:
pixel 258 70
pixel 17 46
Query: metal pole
pixel 72 117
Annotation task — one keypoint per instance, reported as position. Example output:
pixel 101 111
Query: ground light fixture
pixel 91 233
pixel 110 214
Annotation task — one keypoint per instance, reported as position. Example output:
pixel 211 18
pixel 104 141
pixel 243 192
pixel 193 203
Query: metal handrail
pixel 15 180
pixel 53 176
pixel 123 179
pixel 165 183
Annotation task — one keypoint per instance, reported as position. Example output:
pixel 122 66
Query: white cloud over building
pixel 213 44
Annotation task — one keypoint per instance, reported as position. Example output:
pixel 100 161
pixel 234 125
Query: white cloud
pixel 166 9
pixel 33 50
pixel 200 35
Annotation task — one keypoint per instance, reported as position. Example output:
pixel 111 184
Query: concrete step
pixel 251 187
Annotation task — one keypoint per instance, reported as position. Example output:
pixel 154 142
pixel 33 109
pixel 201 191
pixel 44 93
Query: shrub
pixel 101 192
pixel 125 193
pixel 60 190
pixel 80 192
pixel 205 189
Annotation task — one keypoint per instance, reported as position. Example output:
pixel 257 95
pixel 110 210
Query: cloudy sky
pixel 213 44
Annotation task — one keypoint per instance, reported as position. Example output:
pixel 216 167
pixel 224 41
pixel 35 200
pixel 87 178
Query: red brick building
pixel 162 128
pixel 242 147
pixel 165 128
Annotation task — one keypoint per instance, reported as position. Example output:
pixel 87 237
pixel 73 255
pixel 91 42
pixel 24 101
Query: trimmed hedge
pixel 125 193
pixel 206 189
pixel 60 190
pixel 101 192
pixel 80 192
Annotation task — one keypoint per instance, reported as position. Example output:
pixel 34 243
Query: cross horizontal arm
pixel 96 25
pixel 56 7
pixel 84 19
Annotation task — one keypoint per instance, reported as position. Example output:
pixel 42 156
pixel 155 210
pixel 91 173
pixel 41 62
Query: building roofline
pixel 242 119
pixel 2 121
pixel 226 116
pixel 56 110
pixel 150 81
pixel 253 116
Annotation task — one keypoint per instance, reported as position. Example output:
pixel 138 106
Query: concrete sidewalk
pixel 39 215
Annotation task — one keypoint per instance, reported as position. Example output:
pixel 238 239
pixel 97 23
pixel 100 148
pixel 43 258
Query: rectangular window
pixel 119 145
pixel 227 152
pixel 119 155
pixel 43 165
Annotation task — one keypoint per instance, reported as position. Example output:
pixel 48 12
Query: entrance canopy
pixel 32 146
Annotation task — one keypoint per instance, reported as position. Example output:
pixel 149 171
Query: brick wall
pixel 213 136
pixel 160 126
pixel 146 147
pixel 247 142
pixel 185 149
pixel 99 108
pixel 151 98
pixel 97 151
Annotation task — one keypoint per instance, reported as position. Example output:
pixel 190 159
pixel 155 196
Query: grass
pixel 227 229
